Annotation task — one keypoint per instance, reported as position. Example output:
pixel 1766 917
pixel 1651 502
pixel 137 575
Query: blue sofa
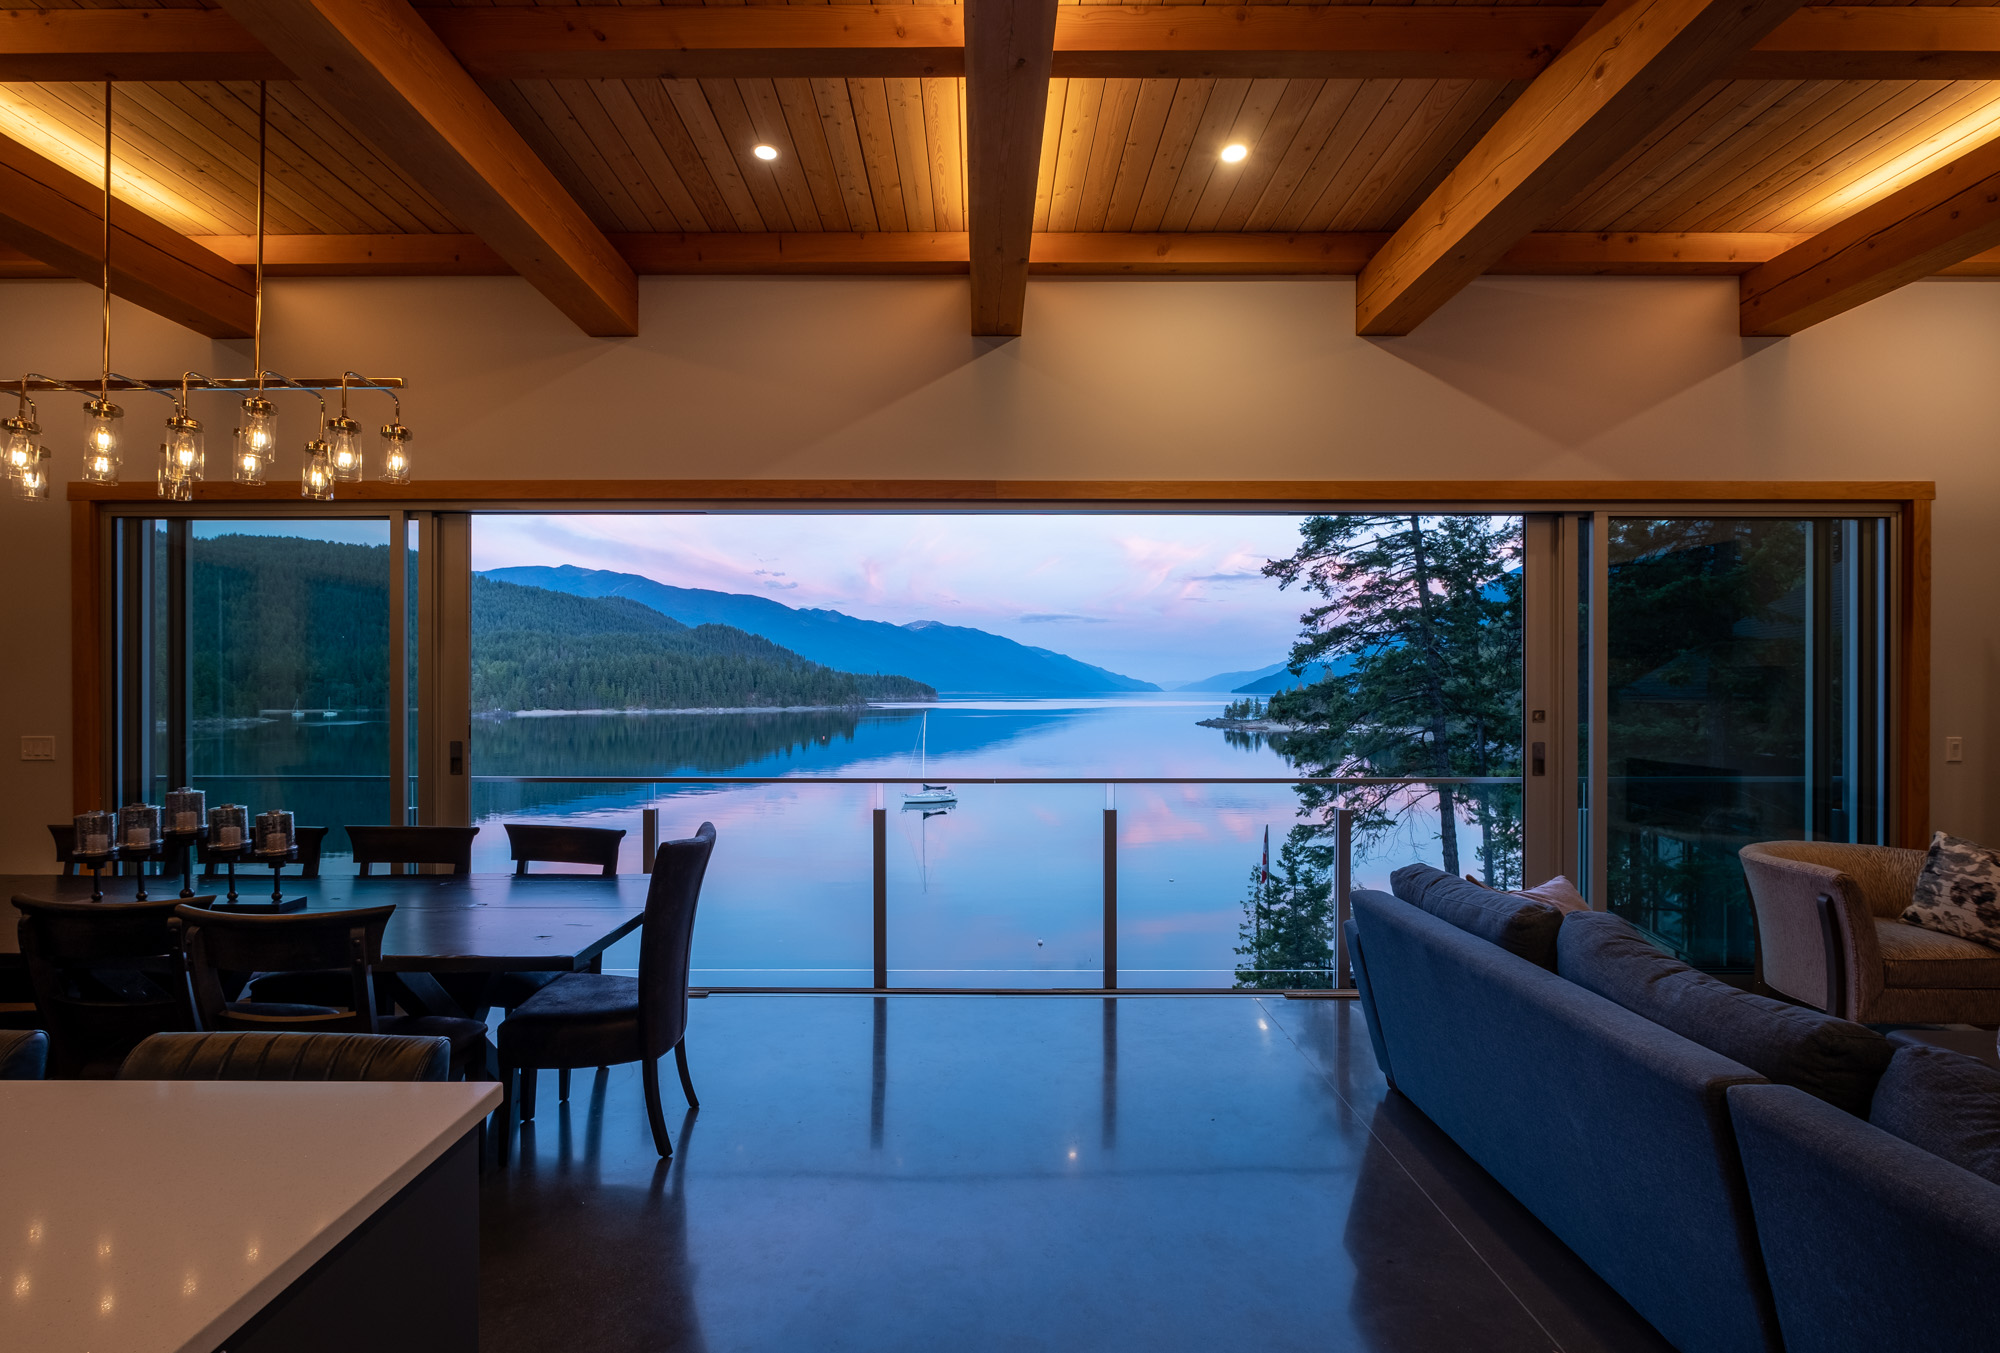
pixel 1731 1212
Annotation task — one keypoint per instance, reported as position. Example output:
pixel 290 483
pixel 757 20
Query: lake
pixel 1005 889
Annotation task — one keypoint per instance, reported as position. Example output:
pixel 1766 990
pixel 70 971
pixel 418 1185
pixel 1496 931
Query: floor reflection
pixel 1137 1173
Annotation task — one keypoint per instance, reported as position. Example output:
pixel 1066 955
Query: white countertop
pixel 159 1216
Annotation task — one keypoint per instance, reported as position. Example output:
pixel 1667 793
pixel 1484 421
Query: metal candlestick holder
pixel 95 864
pixel 138 856
pixel 277 904
pixel 186 843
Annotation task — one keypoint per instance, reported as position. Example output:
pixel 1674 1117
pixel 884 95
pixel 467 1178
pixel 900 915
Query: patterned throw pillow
pixel 1958 891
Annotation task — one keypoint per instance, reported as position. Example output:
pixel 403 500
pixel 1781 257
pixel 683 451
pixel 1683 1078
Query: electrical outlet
pixel 38 749
pixel 1954 749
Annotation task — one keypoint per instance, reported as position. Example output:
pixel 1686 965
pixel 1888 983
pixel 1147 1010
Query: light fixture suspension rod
pixel 104 385
pixel 40 383
pixel 257 334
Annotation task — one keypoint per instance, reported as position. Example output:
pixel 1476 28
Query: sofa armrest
pixel 1870 1242
pixel 1821 952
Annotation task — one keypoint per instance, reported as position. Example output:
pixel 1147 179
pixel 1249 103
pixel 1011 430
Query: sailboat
pixel 929 796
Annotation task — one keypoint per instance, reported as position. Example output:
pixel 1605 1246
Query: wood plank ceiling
pixel 652 161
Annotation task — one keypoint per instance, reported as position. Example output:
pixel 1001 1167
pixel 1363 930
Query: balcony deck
pixel 970 1173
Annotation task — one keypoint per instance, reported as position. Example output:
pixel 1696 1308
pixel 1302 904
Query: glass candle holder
pixel 274 832
pixel 185 809
pixel 94 834
pixel 228 826
pixel 138 826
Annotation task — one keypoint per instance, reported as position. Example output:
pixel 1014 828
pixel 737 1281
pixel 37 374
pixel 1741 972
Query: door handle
pixel 1539 759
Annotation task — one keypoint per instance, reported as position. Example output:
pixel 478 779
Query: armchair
pixel 1829 934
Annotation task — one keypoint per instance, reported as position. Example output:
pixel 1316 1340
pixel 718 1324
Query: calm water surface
pixel 1005 889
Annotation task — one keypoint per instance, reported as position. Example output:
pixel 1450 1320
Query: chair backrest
pixel 311 841
pixel 306 941
pixel 564 845
pixel 251 1056
pixel 24 1054
pixel 105 975
pixel 413 845
pixel 65 839
pixel 667 938
pixel 1885 875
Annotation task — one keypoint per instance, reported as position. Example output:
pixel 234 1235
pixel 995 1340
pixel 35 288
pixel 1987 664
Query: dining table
pixel 443 924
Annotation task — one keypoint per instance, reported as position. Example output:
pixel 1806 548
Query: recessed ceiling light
pixel 1232 153
pixel 765 152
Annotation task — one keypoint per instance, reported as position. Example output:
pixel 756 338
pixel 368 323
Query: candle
pixel 274 832
pixel 227 826
pixel 138 826
pixel 93 834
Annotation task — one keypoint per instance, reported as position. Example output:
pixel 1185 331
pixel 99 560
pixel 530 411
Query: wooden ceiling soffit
pixel 1634 66
pixel 529 42
pixel 378 65
pixel 57 219
pixel 906 254
pixel 1009 45
pixel 1949 216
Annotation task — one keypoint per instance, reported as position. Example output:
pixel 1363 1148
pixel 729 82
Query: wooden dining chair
pixel 412 845
pixel 104 975
pixel 547 844
pixel 601 1019
pixel 65 839
pixel 311 841
pixel 328 945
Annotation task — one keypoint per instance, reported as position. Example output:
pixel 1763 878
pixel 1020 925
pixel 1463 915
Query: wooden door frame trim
pixel 93 505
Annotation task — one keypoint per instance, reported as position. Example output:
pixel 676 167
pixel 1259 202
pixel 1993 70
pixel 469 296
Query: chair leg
pixel 562 1085
pixel 503 1148
pixel 650 1074
pixel 527 1094
pixel 687 1085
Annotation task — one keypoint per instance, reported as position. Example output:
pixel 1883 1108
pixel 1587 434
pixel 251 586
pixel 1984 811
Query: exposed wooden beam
pixel 1639 63
pixel 380 67
pixel 1009 45
pixel 1946 217
pixel 1623 254
pixel 530 42
pixel 57 219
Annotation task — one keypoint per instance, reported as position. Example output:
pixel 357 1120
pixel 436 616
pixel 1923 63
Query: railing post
pixel 1343 885
pixel 649 838
pixel 881 893
pixel 1110 891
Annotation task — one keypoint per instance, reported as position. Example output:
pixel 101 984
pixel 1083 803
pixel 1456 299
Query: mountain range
pixel 952 658
pixel 1264 680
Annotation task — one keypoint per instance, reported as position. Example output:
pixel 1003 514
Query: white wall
pixel 1517 378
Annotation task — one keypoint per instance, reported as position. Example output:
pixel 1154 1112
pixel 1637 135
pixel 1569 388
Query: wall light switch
pixel 38 749
pixel 1954 749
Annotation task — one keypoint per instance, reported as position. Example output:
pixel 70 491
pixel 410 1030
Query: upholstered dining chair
pixel 600 1019
pixel 547 843
pixel 24 1054
pixel 1830 934
pixel 341 947
pixel 243 1055
pixel 104 976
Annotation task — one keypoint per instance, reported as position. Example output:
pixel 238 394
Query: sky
pixel 1165 598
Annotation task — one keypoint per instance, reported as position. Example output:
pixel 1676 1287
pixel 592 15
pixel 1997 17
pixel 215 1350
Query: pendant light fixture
pixel 334 456
pixel 100 452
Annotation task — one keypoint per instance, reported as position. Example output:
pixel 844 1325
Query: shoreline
pixel 1247 725
pixel 735 709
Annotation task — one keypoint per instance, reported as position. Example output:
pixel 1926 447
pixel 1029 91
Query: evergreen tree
pixel 1426 612
pixel 1287 932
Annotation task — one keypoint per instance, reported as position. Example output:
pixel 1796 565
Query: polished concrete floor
pixel 967 1173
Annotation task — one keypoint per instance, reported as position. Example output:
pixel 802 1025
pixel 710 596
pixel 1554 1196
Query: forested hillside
pixel 535 649
pixel 285 623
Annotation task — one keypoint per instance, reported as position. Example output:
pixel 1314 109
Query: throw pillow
pixel 1826 1057
pixel 1958 891
pixel 1521 925
pixel 1945 1103
pixel 1558 892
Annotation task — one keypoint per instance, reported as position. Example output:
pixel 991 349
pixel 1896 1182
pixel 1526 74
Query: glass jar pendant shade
pixel 246 462
pixel 316 479
pixel 257 427
pixel 35 476
pixel 19 450
pixel 100 447
pixel 344 448
pixel 395 454
pixel 181 458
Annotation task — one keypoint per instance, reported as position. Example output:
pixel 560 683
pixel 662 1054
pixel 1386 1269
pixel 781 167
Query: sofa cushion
pixel 1958 891
pixel 1915 957
pixel 1517 924
pixel 1833 1059
pixel 1946 1104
